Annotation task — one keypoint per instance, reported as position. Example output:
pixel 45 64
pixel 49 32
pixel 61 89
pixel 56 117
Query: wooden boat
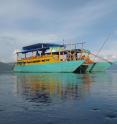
pixel 46 57
pixel 91 65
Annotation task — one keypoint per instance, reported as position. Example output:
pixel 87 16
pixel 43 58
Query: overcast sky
pixel 24 22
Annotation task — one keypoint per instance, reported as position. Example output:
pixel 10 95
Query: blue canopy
pixel 26 51
pixel 41 46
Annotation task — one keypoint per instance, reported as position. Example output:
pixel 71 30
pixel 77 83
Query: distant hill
pixel 6 67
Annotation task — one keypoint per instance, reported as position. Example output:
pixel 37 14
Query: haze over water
pixel 58 98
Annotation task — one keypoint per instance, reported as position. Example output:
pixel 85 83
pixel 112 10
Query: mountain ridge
pixel 6 67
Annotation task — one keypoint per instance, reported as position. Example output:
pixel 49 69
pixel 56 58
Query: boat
pixel 47 57
pixel 98 66
pixel 91 65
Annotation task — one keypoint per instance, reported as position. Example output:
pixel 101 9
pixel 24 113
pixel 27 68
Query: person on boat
pixel 87 59
pixel 37 53
pixel 43 52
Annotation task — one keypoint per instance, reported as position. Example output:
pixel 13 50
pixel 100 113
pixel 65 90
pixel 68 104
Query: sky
pixel 25 22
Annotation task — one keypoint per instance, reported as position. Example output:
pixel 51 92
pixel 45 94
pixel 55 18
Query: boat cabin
pixel 49 53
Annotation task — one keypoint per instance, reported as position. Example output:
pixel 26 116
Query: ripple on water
pixel 1 110
pixel 111 116
pixel 95 109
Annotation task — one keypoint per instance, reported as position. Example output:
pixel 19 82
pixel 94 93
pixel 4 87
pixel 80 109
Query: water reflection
pixel 58 98
pixel 48 88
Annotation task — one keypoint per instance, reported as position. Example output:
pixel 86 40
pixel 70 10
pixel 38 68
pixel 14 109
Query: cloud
pixel 11 42
pixel 108 50
pixel 25 22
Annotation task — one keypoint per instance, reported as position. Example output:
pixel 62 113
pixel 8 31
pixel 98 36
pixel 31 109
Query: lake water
pixel 58 98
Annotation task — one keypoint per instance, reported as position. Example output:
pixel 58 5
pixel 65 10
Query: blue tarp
pixel 41 46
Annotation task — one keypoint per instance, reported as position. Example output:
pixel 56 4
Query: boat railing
pixel 66 55
pixel 39 59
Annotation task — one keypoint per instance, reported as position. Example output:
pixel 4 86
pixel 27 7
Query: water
pixel 61 98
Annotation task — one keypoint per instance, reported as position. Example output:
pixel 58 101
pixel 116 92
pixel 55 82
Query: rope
pixel 103 44
pixel 102 58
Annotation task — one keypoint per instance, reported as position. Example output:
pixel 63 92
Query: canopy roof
pixel 26 51
pixel 41 46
